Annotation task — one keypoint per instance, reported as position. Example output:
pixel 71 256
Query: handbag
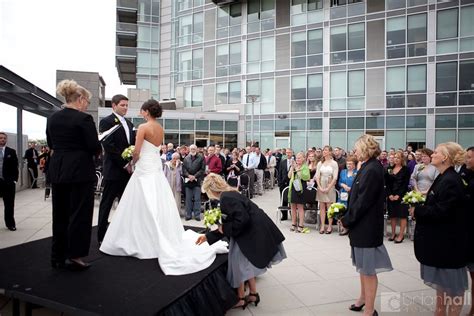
pixel 344 196
pixel 297 185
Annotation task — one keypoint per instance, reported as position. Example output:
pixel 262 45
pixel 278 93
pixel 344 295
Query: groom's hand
pixel 201 239
pixel 129 168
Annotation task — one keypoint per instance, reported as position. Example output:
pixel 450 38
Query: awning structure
pixel 22 94
pixel 25 96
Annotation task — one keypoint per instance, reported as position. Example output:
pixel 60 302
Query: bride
pixel 146 223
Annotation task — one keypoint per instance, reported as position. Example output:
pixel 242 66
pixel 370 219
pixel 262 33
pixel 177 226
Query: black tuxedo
pixel 115 176
pixel 72 137
pixel 31 156
pixel 283 182
pixel 7 184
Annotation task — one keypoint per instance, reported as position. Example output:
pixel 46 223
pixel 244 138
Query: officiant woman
pixel 72 137
pixel 255 241
pixel 365 221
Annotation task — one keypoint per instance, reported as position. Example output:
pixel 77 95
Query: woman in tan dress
pixel 326 178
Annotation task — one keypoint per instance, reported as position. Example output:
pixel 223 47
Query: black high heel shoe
pixel 356 308
pixel 257 298
pixel 243 306
pixel 399 241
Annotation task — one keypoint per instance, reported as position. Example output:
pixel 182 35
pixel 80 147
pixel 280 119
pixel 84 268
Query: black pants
pixel 73 207
pixel 7 191
pixel 33 182
pixel 284 213
pixel 112 189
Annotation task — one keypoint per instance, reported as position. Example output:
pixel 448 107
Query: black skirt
pixel 396 209
pixel 298 197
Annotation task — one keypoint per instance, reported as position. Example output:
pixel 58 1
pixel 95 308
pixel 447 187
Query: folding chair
pixel 244 186
pixel 311 205
pixel 35 179
pixel 267 184
pixel 283 204
pixel 99 185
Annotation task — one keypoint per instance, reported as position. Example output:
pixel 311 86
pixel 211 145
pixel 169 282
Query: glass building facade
pixel 318 71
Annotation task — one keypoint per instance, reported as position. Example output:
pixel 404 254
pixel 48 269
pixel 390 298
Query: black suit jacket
pixel 72 138
pixel 468 176
pixel 441 232
pixel 113 146
pixel 10 165
pixel 31 162
pixel 365 207
pixel 196 167
pixel 283 180
pixel 251 228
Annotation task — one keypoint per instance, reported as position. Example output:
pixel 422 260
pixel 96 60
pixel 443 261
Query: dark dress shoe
pixel 12 228
pixel 399 241
pixel 356 308
pixel 76 266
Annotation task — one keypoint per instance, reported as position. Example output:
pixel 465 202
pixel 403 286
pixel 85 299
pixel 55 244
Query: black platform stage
pixel 112 286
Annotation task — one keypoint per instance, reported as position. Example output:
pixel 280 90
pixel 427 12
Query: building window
pixel 265 90
pixel 409 92
pixel 192 96
pixel 228 93
pixel 307 49
pixel 453 36
pixel 261 55
pixel 446 84
pixel 260 15
pixel 347 90
pixel 307 93
pixel 348 43
pixel 228 60
pixel 190 65
pixel 306 12
pixel 466 82
pixel 406 37
pixel 344 8
pixel 229 19
pixel 190 29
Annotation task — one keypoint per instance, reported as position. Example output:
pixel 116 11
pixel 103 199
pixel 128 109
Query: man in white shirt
pixel 250 162
pixel 271 164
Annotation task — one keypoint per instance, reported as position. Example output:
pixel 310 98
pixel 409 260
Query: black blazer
pixel 397 184
pixel 283 180
pixel 365 207
pixel 72 138
pixel 30 161
pixel 10 165
pixel 441 224
pixel 251 228
pixel 195 168
pixel 114 145
pixel 468 177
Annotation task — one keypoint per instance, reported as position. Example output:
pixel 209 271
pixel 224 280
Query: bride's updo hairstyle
pixel 71 91
pixel 214 184
pixel 153 107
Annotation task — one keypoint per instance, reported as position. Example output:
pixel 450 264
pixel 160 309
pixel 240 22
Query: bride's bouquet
pixel 212 218
pixel 127 154
pixel 413 198
pixel 336 210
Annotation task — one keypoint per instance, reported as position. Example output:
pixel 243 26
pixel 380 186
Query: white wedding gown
pixel 146 223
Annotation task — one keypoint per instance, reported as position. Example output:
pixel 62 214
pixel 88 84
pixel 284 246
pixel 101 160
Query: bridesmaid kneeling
pixel 255 241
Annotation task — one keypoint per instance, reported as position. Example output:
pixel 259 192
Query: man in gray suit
pixel 194 168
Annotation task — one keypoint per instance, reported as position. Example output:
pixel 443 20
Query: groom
pixel 116 171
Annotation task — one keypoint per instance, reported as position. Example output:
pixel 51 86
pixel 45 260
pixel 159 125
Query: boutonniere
pixel 390 171
pixel 116 120
pixel 421 167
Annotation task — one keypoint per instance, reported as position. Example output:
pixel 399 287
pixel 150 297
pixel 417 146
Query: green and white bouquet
pixel 127 154
pixel 336 210
pixel 212 218
pixel 413 198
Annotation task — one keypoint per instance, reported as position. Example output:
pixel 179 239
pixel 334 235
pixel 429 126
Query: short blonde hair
pixel 71 91
pixel 453 152
pixel 214 184
pixel 367 146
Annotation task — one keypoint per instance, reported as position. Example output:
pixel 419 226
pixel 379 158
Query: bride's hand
pixel 201 239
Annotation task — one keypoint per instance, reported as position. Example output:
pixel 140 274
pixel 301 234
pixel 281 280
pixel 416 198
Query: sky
pixel 39 37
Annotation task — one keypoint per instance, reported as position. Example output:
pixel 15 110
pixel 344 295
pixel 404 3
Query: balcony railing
pixel 127 52
pixel 127 27
pixel 127 4
pixel 223 2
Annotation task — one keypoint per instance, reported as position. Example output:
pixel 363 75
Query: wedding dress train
pixel 146 223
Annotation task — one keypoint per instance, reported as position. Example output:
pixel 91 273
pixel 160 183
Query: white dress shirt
pixel 125 126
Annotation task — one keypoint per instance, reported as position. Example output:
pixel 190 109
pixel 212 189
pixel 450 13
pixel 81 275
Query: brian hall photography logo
pixel 396 302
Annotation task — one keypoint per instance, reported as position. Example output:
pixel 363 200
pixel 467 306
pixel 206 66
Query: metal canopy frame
pixel 22 94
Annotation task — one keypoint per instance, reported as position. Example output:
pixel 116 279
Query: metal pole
pixel 251 124
pixel 19 142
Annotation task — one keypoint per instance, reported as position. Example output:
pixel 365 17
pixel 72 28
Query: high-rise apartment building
pixel 305 73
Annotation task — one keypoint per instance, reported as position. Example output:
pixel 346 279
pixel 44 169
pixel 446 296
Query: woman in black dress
pixel 255 241
pixel 441 232
pixel 396 182
pixel 233 169
pixel 72 138
pixel 298 174
pixel 365 221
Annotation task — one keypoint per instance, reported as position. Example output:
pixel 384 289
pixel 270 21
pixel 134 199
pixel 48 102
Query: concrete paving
pixel 317 278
